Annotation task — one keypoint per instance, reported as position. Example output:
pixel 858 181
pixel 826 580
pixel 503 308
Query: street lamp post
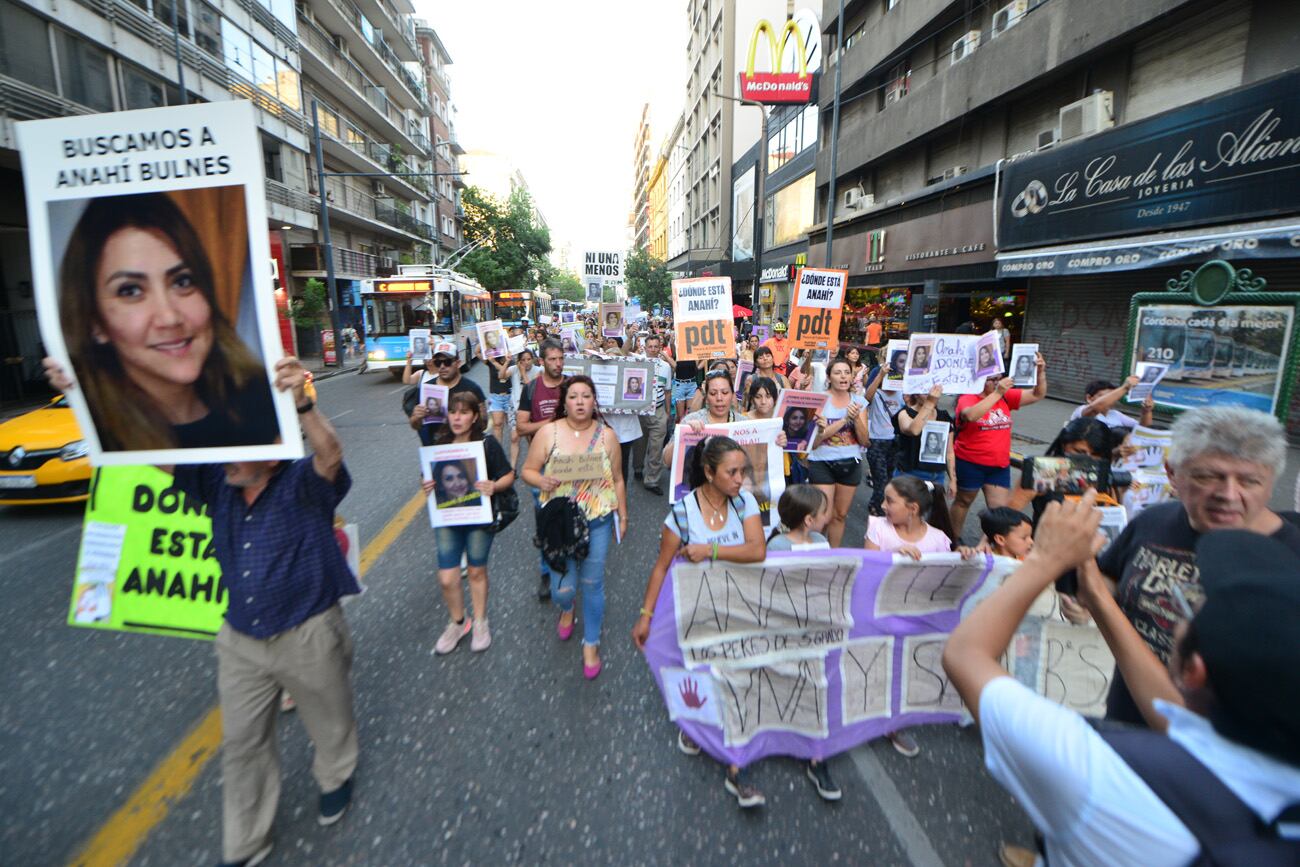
pixel 327 241
pixel 835 133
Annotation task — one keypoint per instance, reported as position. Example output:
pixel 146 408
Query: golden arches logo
pixel 776 86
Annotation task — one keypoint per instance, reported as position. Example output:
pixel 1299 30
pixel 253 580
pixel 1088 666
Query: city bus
pixel 447 303
pixel 514 307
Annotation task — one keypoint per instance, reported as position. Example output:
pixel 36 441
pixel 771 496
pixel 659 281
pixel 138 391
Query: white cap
pixel 445 347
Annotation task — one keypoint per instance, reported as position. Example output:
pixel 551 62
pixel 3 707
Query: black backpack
pixel 1229 832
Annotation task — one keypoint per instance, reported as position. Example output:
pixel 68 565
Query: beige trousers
pixel 649 450
pixel 313 661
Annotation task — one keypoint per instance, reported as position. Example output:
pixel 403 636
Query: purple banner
pixel 808 654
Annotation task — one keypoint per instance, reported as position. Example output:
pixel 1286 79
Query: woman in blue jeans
pixel 465 423
pixel 578 430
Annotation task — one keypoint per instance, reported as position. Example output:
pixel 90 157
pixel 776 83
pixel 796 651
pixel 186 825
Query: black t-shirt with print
pixel 909 446
pixel 1156 549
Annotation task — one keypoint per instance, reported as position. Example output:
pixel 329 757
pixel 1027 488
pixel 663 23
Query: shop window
pixel 890 306
pixel 25 48
pixel 83 71
pixel 140 89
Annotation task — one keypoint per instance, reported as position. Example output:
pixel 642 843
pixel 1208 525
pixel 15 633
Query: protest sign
pixel 622 387
pixel 574 467
pixel 808 655
pixel 454 470
pixel 1148 488
pixel 895 362
pixel 702 318
pixel 492 339
pixel 1024 365
pixel 762 332
pixel 798 412
pixel 764 474
pixel 568 316
pixel 957 362
pixel 611 320
pixel 1113 521
pixel 744 371
pixel 601 270
pixel 1149 375
pixel 433 397
pixel 572 336
pixel 1148 449
pixel 139 193
pixel 517 344
pixel 146 562
pixel 421 348
pixel 818 307
pixel 934 442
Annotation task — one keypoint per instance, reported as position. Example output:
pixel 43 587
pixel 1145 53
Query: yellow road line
pixel 118 839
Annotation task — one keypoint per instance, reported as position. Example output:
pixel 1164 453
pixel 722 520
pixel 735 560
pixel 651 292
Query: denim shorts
pixel 473 541
pixel 499 403
pixel 846 471
pixel 684 389
pixel 972 477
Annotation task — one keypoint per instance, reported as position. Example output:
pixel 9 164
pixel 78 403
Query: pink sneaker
pixel 452 635
pixel 480 639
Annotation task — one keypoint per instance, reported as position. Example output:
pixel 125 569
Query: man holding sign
pixel 702 316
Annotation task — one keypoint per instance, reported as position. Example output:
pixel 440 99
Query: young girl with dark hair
pixel 465 424
pixel 804 512
pixel 915 522
pixel 717 520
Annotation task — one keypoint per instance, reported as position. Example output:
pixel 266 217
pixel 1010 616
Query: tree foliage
pixel 563 284
pixel 311 308
pixel 648 280
pixel 515 242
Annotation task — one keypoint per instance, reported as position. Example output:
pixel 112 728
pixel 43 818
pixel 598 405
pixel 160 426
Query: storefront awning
pixel 1277 239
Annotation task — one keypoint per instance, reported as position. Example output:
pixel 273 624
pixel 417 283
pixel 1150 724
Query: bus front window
pixel 440 307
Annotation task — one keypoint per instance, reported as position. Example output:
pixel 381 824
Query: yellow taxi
pixel 43 457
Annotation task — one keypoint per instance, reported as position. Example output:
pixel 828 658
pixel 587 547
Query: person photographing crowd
pixel 1218 777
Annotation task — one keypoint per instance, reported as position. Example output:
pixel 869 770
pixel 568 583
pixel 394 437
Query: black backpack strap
pixel 1228 830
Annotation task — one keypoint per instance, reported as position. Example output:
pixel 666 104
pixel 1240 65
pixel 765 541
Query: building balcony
pixel 352 206
pixel 997 68
pixel 370 48
pixel 308 260
pixel 881 39
pixel 348 144
pixel 324 62
pixel 398 27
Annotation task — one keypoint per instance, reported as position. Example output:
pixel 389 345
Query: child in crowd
pixel 1009 533
pixel 915 520
pixel 804 512
pixel 915 523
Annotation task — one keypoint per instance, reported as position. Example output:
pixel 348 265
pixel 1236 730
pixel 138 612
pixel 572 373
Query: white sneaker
pixel 452 635
pixel 481 639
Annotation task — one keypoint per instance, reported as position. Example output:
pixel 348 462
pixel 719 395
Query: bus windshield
pixel 389 316
pixel 443 320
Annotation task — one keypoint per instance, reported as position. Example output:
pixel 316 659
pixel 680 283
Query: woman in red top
pixel 983 443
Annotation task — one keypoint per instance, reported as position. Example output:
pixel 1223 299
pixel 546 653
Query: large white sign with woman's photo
pixel 149 253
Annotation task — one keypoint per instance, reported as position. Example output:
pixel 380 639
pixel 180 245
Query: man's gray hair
pixel 1233 431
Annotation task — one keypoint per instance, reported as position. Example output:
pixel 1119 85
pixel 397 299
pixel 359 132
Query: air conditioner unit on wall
pixel 953 172
pixel 377 187
pixel 1089 115
pixel 964 47
pixel 1046 139
pixel 1008 16
pixel 855 199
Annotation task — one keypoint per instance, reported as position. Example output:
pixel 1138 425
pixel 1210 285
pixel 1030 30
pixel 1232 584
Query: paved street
pixel 505 757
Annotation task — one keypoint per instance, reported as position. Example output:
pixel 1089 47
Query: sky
pixel 558 89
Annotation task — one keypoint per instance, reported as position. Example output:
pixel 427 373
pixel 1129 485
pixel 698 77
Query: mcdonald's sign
pixel 776 86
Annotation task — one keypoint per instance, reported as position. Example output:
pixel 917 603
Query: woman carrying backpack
pixel 465 424
pixel 576 523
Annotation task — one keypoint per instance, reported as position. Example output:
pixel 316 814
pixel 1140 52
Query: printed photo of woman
pixel 153 351
pixel 453 484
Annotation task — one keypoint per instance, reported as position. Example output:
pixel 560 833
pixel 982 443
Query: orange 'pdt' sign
pixel 702 318
pixel 776 86
pixel 818 307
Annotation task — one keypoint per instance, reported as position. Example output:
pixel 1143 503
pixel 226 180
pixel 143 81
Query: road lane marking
pixel 902 821
pixel 345 412
pixel 399 388
pixel 122 835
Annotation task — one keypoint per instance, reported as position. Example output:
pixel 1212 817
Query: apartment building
pixel 676 206
pixel 657 200
pixel 355 61
pixel 941 101
pixel 447 209
pixel 638 217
